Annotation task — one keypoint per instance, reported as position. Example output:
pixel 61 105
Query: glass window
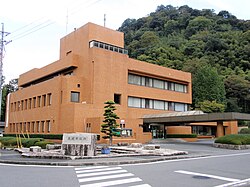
pixel 134 79
pixel 134 102
pixel 148 82
pixel 34 102
pixel 48 126
pixel 159 105
pixel 179 107
pixel 166 105
pixel 170 86
pixel 44 100
pixel 117 98
pixel 75 97
pixel 179 87
pixel 158 84
pixel 39 101
pixel 49 99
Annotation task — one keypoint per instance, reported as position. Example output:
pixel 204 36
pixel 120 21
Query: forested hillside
pixel 215 48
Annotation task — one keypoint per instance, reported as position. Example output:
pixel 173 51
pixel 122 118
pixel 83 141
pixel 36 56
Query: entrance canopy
pixel 194 116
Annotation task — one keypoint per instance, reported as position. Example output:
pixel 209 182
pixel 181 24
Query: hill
pixel 189 39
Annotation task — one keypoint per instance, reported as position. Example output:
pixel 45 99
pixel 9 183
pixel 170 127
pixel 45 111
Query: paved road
pixel 219 169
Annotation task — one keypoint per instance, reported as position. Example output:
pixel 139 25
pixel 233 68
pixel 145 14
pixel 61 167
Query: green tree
pixel 12 86
pixel 211 106
pixel 109 126
pixel 238 93
pixel 208 85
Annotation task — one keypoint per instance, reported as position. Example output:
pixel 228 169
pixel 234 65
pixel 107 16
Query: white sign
pixel 77 138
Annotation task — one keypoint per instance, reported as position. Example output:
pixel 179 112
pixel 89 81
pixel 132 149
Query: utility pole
pixel 104 20
pixel 2 44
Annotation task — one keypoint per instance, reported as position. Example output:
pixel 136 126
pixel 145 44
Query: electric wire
pixel 50 22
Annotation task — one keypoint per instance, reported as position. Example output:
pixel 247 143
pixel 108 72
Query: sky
pixel 36 27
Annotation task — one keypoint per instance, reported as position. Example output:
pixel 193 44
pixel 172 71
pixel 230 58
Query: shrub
pixel 30 142
pixel 43 144
pixel 245 131
pixel 181 136
pixel 45 136
pixel 235 139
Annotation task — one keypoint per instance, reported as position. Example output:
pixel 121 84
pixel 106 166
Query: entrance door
pixel 157 130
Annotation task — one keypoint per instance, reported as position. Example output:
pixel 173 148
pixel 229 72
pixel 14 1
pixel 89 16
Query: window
pixel 25 104
pixel 38 126
pixel 180 88
pixel 49 97
pixel 48 126
pixel 88 127
pixel 158 84
pixel 75 97
pixel 117 98
pixel 30 103
pixel 159 105
pixel 28 126
pixel 148 82
pixel 43 126
pixel 134 79
pixel 33 126
pixel 134 102
pixel 22 105
pixel 39 101
pixel 34 102
pixel 180 107
pixel 44 100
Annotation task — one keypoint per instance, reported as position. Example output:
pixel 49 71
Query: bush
pixel 30 142
pixel 45 136
pixel 43 144
pixel 12 141
pixel 181 136
pixel 235 139
pixel 245 131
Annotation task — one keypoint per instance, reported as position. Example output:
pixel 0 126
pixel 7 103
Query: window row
pixel 107 47
pixel 156 83
pixel 31 127
pixel 156 104
pixel 33 102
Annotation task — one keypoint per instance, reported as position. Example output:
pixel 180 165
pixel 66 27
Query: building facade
pixel 68 95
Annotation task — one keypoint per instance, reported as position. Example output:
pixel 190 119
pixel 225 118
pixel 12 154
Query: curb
pixel 98 163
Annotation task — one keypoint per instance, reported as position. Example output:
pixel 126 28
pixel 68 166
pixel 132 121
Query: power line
pixel 40 26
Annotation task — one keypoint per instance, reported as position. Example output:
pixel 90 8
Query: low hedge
pixel 43 144
pixel 44 136
pixel 245 131
pixel 235 139
pixel 12 141
pixel 181 136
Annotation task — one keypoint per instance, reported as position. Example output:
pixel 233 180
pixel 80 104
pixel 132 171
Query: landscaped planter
pixel 230 146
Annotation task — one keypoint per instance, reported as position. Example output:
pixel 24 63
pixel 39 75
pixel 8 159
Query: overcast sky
pixel 37 26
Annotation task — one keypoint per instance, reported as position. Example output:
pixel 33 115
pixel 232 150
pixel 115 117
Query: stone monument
pixel 79 144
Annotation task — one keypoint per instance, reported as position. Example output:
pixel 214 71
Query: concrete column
pixel 220 129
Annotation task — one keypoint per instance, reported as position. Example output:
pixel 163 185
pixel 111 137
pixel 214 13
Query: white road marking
pixel 207 175
pixel 141 185
pixel 100 169
pixel 106 177
pixel 112 183
pixel 238 183
pixel 92 167
pixel 187 159
pixel 101 173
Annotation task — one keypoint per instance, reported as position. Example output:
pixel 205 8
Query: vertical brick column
pixel 220 129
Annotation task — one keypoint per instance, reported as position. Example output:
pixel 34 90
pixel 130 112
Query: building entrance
pixel 157 130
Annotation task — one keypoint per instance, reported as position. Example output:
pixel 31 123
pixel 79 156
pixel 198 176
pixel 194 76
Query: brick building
pixel 68 95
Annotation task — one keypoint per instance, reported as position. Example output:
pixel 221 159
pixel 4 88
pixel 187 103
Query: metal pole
pixel 1 68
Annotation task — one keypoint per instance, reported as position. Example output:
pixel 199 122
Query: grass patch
pixel 234 139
